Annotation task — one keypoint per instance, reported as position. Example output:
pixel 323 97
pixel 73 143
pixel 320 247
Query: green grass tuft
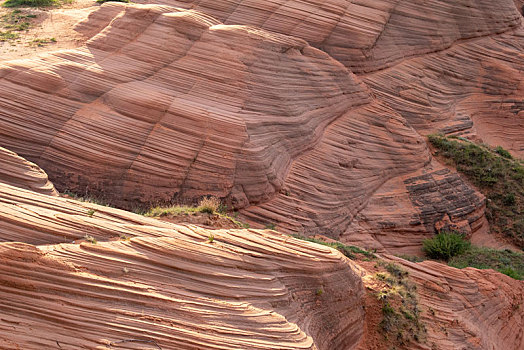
pixel 348 251
pixel 209 205
pixel 30 3
pixel 90 239
pixel 271 226
pixel 505 261
pixel 103 1
pixel 400 310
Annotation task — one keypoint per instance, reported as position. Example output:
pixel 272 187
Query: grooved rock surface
pixel 165 283
pixel 409 208
pixel 474 88
pixel 367 35
pixel 469 308
pixel 166 104
pixel 16 171
pixel 450 66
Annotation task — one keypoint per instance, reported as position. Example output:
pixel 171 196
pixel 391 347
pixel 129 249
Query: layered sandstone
pixel 368 35
pixel 468 308
pixel 17 171
pixel 166 105
pixel 472 89
pixel 164 284
pixel 178 106
pixel 449 66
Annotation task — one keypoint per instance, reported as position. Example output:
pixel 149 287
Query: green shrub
pixel 90 239
pixel 348 250
pixel 209 205
pixel 503 152
pixel 411 258
pixel 271 226
pixel 445 245
pixel 509 199
pixel 30 3
pixel 6 36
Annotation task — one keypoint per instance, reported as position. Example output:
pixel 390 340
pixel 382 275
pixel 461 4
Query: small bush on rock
pixel 445 245
pixel 209 205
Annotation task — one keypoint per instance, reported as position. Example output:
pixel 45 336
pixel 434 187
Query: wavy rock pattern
pixel 342 188
pixel 166 104
pixel 469 308
pixel 262 120
pixel 17 171
pixel 409 208
pixel 474 88
pixel 245 290
pixel 368 35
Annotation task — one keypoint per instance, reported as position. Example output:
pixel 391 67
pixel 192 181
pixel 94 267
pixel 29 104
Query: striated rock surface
pixel 368 35
pixel 407 209
pixel 16 171
pixel 468 308
pixel 474 89
pixel 176 107
pixel 450 66
pixel 165 284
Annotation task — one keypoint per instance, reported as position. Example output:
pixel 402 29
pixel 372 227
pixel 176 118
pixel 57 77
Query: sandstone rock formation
pixel 17 171
pixel 178 106
pixel 408 208
pixel 367 35
pixel 169 285
pixel 165 284
pixel 469 308
pixel 445 65
pixel 309 115
pixel 472 89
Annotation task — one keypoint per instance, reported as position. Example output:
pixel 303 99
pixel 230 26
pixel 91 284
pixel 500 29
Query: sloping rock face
pixel 472 89
pixel 166 105
pixel 368 35
pixel 165 284
pixel 17 171
pixel 469 308
pixel 411 207
pixel 449 66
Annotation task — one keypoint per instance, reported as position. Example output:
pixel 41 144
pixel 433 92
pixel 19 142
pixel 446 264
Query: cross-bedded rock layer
pixel 164 283
pixel 165 105
pixel 367 35
pixel 469 308
pixel 450 66
pixel 17 171
pixel 177 106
